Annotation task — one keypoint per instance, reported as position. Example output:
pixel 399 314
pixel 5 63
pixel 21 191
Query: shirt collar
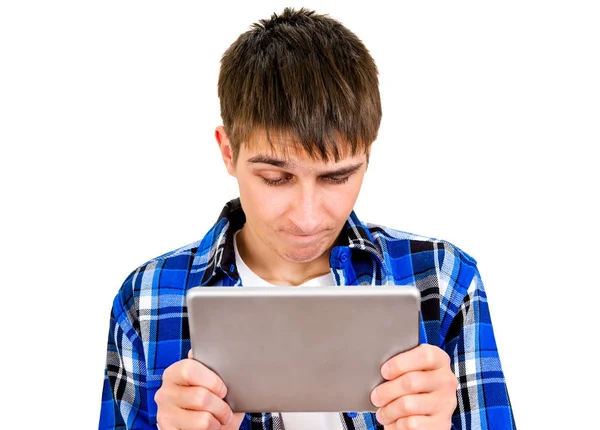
pixel 355 236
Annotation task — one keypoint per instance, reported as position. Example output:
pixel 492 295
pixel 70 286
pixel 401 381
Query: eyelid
pixel 339 176
pixel 280 180
pixel 271 183
pixel 283 177
pixel 342 173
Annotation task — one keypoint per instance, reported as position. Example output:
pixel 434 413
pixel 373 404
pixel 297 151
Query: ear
pixel 226 149
pixel 368 154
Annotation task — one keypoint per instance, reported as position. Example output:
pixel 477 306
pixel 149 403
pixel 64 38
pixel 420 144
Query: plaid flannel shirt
pixel 149 327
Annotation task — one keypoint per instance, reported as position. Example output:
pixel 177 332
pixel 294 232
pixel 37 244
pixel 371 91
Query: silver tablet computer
pixel 301 349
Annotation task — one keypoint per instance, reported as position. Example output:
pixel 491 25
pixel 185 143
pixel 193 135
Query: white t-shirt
pixel 294 420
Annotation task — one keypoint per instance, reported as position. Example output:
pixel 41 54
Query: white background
pixel 107 115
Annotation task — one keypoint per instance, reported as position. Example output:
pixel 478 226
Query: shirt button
pixel 343 256
pixel 232 268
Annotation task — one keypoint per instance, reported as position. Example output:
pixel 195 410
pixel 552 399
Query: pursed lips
pixel 305 237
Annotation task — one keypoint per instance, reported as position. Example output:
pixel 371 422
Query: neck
pixel 270 266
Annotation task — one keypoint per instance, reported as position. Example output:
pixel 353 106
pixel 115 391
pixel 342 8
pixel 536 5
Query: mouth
pixel 303 237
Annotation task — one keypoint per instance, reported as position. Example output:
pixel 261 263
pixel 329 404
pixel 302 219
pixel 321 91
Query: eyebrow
pixel 263 159
pixel 344 170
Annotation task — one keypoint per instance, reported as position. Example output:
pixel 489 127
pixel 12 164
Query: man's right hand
pixel 191 397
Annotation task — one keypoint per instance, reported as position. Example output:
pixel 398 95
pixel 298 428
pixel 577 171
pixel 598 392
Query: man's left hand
pixel 419 391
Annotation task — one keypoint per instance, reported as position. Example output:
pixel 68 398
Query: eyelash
pixel 282 181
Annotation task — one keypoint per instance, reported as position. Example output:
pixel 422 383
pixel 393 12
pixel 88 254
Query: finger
pixel 414 404
pixel 414 383
pixel 188 372
pixel 422 357
pixel 190 354
pixel 422 422
pixel 189 420
pixel 201 399
pixel 236 422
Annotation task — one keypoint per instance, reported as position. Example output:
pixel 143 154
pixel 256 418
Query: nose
pixel 306 213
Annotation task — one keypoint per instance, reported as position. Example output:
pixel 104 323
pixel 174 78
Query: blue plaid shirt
pixel 149 327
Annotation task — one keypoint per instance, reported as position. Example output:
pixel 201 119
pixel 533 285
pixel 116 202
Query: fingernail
pixel 385 370
pixel 375 398
pixel 229 416
pixel 380 415
pixel 223 390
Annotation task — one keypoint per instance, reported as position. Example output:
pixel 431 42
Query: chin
pixel 302 255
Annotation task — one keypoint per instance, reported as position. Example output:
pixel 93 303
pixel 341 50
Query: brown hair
pixel 304 77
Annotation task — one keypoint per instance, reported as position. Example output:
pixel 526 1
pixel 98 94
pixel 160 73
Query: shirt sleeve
pixel 124 396
pixel 483 401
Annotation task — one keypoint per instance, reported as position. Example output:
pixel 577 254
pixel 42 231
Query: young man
pixel 300 106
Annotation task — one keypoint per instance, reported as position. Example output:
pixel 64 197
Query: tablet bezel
pixel 301 349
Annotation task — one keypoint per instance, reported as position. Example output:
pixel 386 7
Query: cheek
pixel 339 210
pixel 261 203
pixel 341 202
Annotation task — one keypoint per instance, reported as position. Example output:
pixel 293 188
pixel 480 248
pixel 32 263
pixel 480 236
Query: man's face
pixel 296 206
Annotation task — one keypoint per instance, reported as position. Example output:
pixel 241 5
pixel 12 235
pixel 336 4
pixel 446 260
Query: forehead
pixel 288 149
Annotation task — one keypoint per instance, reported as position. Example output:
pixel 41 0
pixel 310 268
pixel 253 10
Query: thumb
pixel 236 422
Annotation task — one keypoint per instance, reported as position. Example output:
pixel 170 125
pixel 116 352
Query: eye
pixel 337 179
pixel 275 182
